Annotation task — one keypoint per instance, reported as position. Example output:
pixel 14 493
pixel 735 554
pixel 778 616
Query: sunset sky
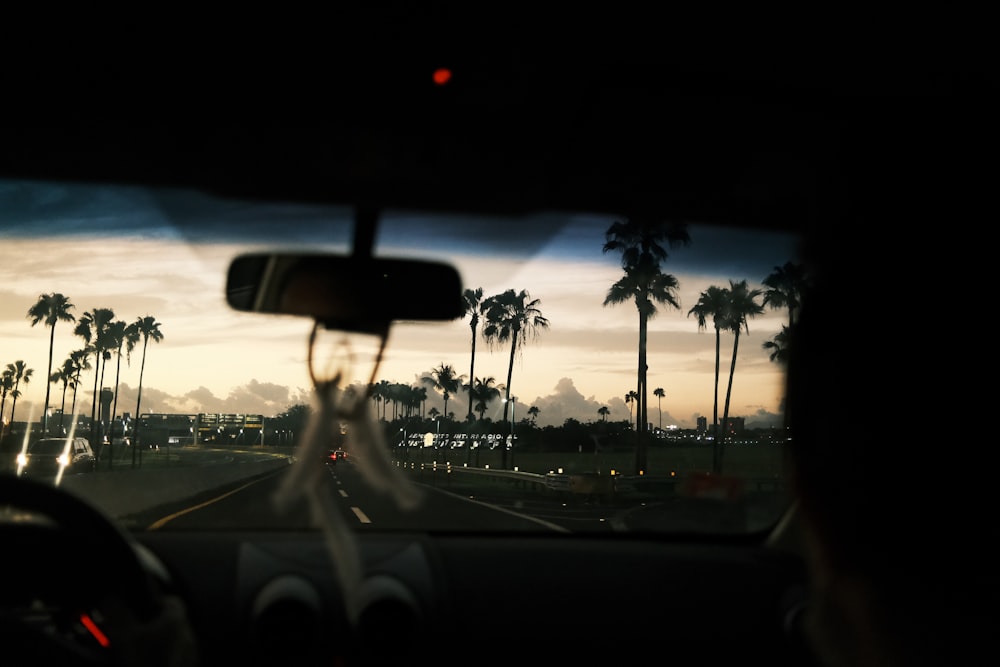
pixel 166 255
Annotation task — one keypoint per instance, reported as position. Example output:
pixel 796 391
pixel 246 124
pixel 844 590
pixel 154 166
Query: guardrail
pixel 695 485
pixel 576 483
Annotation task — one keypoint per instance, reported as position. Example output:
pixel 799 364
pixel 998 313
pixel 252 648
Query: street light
pixel 513 436
pixel 510 442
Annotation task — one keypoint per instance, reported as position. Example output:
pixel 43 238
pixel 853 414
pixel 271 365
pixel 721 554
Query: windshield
pixel 579 392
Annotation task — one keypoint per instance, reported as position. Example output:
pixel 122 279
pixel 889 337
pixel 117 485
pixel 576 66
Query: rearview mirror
pixel 340 292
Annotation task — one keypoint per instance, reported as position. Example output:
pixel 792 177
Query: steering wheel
pixel 68 570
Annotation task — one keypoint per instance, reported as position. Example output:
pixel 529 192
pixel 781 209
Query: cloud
pixel 564 402
pixel 763 419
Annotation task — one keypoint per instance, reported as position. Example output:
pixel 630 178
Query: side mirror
pixel 360 294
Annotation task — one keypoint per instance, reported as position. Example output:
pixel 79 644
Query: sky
pixel 165 254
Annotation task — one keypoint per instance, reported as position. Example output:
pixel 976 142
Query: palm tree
pixel 63 375
pixel 659 393
pixel 473 302
pixel 742 305
pixel 778 345
pixel 125 335
pixel 640 241
pixel 149 329
pixel 79 360
pixel 50 308
pixel 375 393
pixel 785 285
pixel 443 378
pixel 630 398
pixel 482 391
pixel 20 372
pixel 92 327
pixel 6 385
pixel 533 411
pixel 117 336
pixel 381 391
pixel 420 395
pixel 713 303
pixel 121 334
pixel 512 317
pixel 604 412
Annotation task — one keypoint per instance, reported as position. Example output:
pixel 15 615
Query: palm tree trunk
pixel 716 445
pixel 98 449
pixel 76 387
pixel 472 369
pixel 640 412
pixel 48 383
pixel 97 397
pixel 729 391
pixel 138 402
pixel 506 403
pixel 114 407
pixel 62 408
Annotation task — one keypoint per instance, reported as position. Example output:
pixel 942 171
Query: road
pixel 250 504
pixel 449 502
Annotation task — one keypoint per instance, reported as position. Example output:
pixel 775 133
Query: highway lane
pixel 450 502
pixel 250 504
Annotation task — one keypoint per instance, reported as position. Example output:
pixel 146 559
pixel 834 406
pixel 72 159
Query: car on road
pixel 332 456
pixel 50 456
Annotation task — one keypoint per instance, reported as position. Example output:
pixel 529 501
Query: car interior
pixel 610 479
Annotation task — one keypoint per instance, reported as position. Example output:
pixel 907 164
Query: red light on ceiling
pixel 442 75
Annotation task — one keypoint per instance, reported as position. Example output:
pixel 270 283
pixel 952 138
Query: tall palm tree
pixel 63 375
pixel 50 308
pixel 714 303
pixel 604 412
pixel 473 302
pixel 512 317
pixel 743 304
pixel 443 378
pixel 80 362
pixel 123 335
pixel 640 243
pixel 659 393
pixel 149 329
pixel 533 411
pixel 116 339
pixel 92 327
pixel 20 372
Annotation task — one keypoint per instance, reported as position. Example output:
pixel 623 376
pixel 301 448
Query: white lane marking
pixel 343 494
pixel 547 524
pixel 362 517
